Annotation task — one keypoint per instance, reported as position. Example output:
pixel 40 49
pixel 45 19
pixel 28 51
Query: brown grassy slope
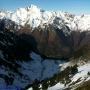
pixel 85 86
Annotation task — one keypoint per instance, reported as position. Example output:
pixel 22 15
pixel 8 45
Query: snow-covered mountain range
pixel 44 50
pixel 35 16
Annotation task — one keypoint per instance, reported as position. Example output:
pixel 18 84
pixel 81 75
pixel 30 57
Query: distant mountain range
pixel 35 16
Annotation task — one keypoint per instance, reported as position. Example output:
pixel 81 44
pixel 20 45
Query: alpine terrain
pixel 44 50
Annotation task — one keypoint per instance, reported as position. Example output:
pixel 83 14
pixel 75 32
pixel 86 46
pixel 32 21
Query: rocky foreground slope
pixel 41 48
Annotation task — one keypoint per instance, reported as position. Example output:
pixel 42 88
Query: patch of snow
pixel 58 86
pixel 36 69
pixel 81 76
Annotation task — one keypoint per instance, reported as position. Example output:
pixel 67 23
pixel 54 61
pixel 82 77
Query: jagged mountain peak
pixel 35 16
pixel 32 6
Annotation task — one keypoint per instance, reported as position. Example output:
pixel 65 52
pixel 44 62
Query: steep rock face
pixel 81 43
pixel 53 42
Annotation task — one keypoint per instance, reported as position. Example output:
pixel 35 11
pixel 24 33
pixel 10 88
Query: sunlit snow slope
pixel 35 16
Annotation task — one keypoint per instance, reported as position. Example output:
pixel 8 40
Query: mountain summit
pixel 35 16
